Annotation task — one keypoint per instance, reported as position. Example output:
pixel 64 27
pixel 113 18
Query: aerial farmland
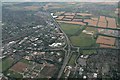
pixel 77 24
pixel 60 40
pixel 88 32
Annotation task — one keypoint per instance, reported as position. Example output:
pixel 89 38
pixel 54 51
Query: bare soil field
pixel 111 22
pixel 102 19
pixel 19 67
pixel 102 24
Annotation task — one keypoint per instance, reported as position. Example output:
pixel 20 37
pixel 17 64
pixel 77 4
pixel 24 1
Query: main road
pixel 68 52
pixel 69 46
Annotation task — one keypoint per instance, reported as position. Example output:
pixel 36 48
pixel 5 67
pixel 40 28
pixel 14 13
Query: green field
pixel 88 52
pixel 76 37
pixel 91 29
pixel 26 61
pixel 118 21
pixel 81 17
pixel 72 60
pixel 83 40
pixel 6 63
pixel 15 8
pixel 13 74
pixel 70 29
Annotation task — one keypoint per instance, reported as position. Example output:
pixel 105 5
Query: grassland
pixel 70 29
pixel 81 17
pixel 26 61
pixel 88 52
pixel 76 37
pixel 13 74
pixel 91 29
pixel 72 60
pixel 118 21
pixel 16 8
pixel 6 63
pixel 32 8
pixel 83 40
pixel 26 8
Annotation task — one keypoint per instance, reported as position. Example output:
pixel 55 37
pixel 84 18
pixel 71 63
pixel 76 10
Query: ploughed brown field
pixel 91 22
pixel 60 17
pixel 102 19
pixel 106 46
pixel 102 24
pixel 19 67
pixel 106 40
pixel 71 17
pixel 111 22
